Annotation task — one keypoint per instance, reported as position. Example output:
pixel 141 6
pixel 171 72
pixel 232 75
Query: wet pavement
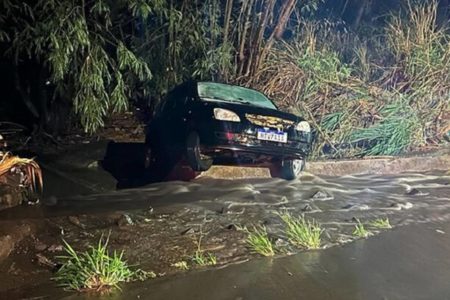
pixel 411 262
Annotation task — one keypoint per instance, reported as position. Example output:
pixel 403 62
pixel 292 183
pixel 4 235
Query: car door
pixel 172 124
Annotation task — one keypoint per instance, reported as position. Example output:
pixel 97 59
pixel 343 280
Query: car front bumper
pixel 239 138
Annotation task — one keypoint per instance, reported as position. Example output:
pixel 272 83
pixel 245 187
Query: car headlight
pixel 303 126
pixel 225 115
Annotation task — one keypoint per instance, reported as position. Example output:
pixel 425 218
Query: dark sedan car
pixel 213 123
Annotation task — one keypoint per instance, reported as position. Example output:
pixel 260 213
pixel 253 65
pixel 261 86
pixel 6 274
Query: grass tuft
pixel 259 242
pixel 202 258
pixel 360 231
pixel 182 265
pixel 95 269
pixel 301 232
pixel 381 223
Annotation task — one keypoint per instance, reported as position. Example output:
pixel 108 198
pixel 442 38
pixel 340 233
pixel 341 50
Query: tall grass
pixel 201 257
pixel 301 232
pixel 95 269
pixel 204 259
pixel 381 223
pixel 259 242
pixel 381 93
pixel 360 231
pixel 421 48
pixel 392 135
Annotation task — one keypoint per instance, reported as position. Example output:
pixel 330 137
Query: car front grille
pixel 269 122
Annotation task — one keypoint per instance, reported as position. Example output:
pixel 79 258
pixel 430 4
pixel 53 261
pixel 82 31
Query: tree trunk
pixel 277 33
pixel 226 29
pixel 246 15
pixel 252 63
pixel 286 12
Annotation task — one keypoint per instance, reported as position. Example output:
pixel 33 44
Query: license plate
pixel 273 136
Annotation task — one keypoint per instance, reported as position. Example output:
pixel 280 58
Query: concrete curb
pixel 379 166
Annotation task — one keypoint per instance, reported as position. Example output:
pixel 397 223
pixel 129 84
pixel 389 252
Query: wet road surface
pixel 411 262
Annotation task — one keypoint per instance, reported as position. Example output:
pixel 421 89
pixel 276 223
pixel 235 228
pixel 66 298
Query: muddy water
pixel 335 202
pixel 167 218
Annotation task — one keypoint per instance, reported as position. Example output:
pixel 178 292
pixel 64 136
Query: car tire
pixel 195 158
pixel 288 169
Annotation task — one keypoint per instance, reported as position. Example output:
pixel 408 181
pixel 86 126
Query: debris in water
pixel 411 191
pixel 307 207
pixel 356 207
pixel 404 205
pixel 320 195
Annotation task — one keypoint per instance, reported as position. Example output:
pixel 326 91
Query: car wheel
pixel 288 169
pixel 198 161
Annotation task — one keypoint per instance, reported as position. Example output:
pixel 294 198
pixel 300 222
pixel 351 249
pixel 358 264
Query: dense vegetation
pixel 373 79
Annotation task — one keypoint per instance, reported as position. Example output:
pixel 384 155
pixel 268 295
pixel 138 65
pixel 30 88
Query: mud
pixel 159 225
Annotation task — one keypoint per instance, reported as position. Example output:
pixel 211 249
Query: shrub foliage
pixel 370 90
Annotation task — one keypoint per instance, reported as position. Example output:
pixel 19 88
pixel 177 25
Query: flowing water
pixel 404 198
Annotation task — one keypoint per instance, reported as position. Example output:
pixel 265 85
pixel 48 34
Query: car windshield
pixel 229 93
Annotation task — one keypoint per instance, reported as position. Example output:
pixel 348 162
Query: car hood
pixel 243 110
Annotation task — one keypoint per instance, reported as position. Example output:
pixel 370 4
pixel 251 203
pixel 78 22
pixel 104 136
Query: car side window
pixel 175 101
pixel 167 104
